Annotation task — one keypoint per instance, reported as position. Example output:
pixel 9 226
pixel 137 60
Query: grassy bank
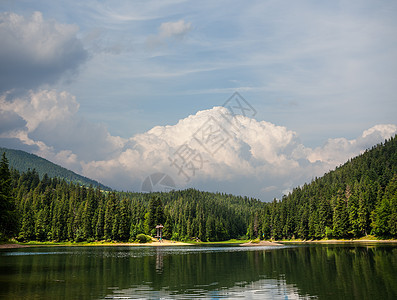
pixel 364 239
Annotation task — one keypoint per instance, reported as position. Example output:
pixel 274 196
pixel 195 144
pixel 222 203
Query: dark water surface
pixel 228 272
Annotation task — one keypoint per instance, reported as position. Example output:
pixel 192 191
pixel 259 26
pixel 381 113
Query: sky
pixel 245 98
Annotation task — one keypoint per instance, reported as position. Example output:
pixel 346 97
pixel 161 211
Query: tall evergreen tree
pixel 8 217
pixel 380 218
pixel 109 217
pixel 391 193
pixel 363 212
pixel 341 219
pixel 353 210
pixel 154 215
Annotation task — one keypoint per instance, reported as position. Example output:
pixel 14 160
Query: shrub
pixel 143 238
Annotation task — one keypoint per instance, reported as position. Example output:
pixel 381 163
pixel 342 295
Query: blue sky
pixel 113 70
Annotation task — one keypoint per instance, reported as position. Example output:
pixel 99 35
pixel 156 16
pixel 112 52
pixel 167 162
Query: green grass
pixel 362 239
pixel 369 237
pixel 232 241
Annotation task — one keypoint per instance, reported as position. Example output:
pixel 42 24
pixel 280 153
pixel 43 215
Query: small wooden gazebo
pixel 159 232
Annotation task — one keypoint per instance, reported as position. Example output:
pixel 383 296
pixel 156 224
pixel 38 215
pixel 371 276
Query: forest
pixel 50 209
pixel 356 199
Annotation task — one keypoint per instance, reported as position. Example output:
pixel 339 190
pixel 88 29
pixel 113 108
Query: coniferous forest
pixel 50 209
pixel 356 199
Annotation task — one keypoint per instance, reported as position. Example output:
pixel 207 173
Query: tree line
pixel 51 209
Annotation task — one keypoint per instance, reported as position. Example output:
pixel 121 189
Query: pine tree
pixel 109 217
pixel 323 218
pixel 99 224
pixel 340 219
pixel 26 232
pixel 380 218
pixel 353 210
pixel 86 221
pixel 304 224
pixel 40 225
pixel 8 217
pixel 209 229
pixel 362 213
pixel 154 215
pixel 124 224
pixel 392 193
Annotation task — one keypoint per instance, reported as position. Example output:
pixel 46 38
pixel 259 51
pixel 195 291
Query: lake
pixel 342 271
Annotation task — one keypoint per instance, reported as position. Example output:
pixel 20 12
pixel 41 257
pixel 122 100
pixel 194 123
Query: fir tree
pixel 8 218
pixel 340 219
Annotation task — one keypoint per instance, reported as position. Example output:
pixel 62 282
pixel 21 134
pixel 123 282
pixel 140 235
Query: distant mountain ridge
pixel 22 161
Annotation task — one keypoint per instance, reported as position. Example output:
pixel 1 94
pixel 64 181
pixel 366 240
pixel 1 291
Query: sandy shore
pixel 162 243
pixel 261 243
pixel 154 243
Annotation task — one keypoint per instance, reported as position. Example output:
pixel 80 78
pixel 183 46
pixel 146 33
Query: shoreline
pixel 338 241
pixel 168 243
pixel 164 243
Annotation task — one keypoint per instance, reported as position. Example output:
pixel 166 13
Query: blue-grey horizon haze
pixel 119 90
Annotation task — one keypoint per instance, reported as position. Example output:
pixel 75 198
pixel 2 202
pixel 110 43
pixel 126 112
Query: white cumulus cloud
pixel 210 150
pixel 244 156
pixel 49 122
pixel 339 150
pixel 42 106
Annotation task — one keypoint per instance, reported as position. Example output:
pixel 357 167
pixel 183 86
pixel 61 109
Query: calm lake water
pixel 213 272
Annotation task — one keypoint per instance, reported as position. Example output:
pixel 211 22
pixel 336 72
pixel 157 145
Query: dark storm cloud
pixel 35 51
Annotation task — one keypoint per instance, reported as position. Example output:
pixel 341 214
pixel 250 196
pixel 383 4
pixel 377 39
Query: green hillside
pixel 356 199
pixel 23 161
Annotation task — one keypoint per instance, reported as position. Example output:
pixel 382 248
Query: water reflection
pixel 261 289
pixel 323 272
pixel 159 260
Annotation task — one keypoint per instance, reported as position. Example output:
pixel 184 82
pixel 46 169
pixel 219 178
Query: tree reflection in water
pixel 321 271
